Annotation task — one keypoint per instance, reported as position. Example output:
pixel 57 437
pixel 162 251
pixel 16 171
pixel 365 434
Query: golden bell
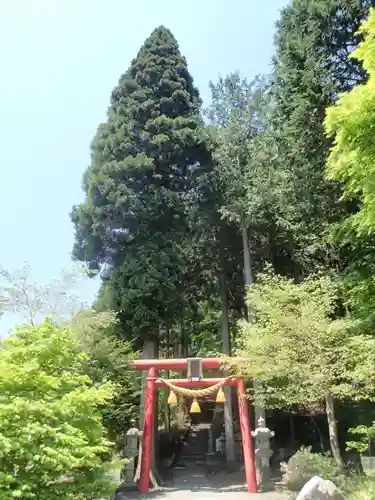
pixel 195 408
pixel 172 398
pixel 220 397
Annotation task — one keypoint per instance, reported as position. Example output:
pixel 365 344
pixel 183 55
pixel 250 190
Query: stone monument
pixel 131 451
pixel 263 434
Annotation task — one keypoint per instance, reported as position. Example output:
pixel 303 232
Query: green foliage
pixel 135 218
pixel 299 346
pixel 235 115
pixel 350 162
pixel 107 355
pixel 306 465
pixel 107 359
pixel 171 205
pixel 350 122
pixel 51 434
pixel 365 436
pixel 241 183
pixel 362 489
pixel 304 348
pixel 313 40
pixel 204 331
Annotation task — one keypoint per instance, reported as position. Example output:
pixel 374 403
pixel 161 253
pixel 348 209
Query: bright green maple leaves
pixel 352 124
pixel 51 434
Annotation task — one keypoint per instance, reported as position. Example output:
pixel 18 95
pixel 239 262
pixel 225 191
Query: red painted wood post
pixel 148 429
pixel 247 441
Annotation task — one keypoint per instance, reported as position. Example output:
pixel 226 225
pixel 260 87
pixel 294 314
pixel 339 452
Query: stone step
pixel 186 453
pixel 186 456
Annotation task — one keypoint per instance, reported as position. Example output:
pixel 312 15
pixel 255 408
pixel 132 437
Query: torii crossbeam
pixel 153 383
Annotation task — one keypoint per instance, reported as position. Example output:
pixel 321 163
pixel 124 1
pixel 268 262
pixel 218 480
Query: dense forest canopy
pixel 242 228
pixel 187 206
pixel 181 201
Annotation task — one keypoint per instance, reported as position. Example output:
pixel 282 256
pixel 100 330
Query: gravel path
pixel 203 494
pixel 194 485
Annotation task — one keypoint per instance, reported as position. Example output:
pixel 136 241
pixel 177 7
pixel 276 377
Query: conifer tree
pixel 314 38
pixel 135 218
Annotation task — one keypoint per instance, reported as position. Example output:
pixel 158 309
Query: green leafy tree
pixel 351 162
pixel 302 349
pixel 204 329
pixel 235 114
pixel 135 219
pixel 107 354
pixel 365 436
pixel 107 358
pixel 313 40
pixel 51 435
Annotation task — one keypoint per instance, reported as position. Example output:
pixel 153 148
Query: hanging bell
pixel 195 408
pixel 172 398
pixel 220 396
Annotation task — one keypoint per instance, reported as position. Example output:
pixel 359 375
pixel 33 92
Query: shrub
pixel 365 435
pixel 108 359
pixel 52 439
pixel 305 464
pixel 362 489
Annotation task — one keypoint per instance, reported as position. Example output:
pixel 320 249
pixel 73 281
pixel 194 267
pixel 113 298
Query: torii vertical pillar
pixel 149 414
pixel 247 440
pixel 148 429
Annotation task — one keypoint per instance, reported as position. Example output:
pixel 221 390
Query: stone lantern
pixel 262 435
pixel 131 451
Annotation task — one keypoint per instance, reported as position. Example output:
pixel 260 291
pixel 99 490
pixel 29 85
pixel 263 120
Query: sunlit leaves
pixel 51 433
pixel 135 220
pixel 300 346
pixel 352 124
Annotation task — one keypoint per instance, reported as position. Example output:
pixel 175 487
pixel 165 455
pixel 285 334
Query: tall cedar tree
pixel 314 38
pixel 135 219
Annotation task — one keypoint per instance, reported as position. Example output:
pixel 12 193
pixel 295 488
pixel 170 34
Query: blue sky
pixel 59 60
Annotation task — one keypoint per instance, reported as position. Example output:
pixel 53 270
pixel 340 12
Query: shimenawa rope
pixel 195 393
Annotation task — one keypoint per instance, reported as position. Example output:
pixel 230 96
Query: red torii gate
pixel 154 383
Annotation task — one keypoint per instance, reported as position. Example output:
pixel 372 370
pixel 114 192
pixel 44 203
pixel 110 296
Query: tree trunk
pixel 258 404
pixel 230 449
pixel 292 429
pixel 184 340
pixel 321 441
pixel 246 258
pixel 332 429
pixel 224 320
